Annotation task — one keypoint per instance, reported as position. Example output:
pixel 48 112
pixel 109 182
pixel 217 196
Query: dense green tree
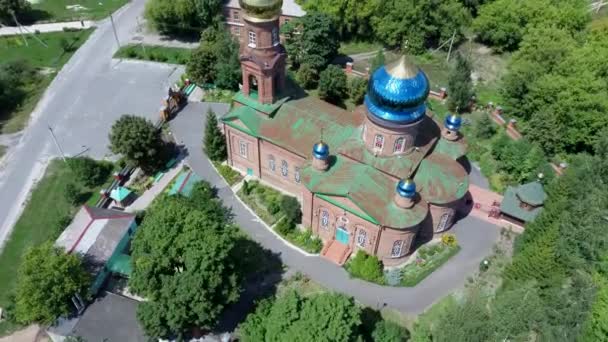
pixel 424 23
pixel 46 280
pixel 519 159
pixel 386 331
pixel 464 322
pixel 216 60
pixel 19 7
pixel 307 76
pixel 596 326
pixel 517 312
pixel 138 141
pixel 333 86
pixel 183 264
pixel 13 76
pixel 291 209
pixel 503 23
pixel 484 128
pixel 214 142
pixel 357 89
pixel 181 16
pixel 311 40
pixel 71 192
pixel 367 267
pixel 460 85
pixel 351 17
pixel 89 171
pixel 291 317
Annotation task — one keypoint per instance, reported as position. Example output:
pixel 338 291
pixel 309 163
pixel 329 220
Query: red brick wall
pixel 388 238
pixel 275 177
pixel 438 211
pixel 248 161
pixel 390 136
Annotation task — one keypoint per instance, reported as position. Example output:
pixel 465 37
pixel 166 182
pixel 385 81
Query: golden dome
pixel 262 9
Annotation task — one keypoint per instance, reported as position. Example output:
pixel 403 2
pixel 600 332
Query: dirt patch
pixel 33 333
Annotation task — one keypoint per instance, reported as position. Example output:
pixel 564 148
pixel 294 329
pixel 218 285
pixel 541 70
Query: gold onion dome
pixel 261 9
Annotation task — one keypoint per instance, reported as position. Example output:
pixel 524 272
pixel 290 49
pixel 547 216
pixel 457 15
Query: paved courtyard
pixel 475 236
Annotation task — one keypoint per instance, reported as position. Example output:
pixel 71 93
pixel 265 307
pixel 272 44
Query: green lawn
pixel 429 259
pixel 263 200
pixel 229 174
pixel 48 59
pixel 154 53
pixel 355 47
pixel 57 10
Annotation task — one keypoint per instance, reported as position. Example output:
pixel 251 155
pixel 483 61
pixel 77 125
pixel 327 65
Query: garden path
pixel 51 27
pixel 476 237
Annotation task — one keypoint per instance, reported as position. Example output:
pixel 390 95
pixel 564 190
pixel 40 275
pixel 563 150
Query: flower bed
pixel 301 238
pixel 229 174
pixel 263 200
pixel 428 259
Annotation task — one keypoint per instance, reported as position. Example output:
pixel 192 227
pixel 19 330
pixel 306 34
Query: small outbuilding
pixel 523 203
pixel 122 196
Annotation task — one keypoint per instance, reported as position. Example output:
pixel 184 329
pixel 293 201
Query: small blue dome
pixel 453 122
pixel 320 150
pixel 406 188
pixel 397 92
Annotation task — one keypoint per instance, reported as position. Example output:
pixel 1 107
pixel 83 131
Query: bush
pixel 366 267
pixel 357 89
pixel 307 76
pixel 285 227
pixel 72 193
pixel 291 208
pixel 386 331
pixel 333 84
pixel 89 171
pixel 449 240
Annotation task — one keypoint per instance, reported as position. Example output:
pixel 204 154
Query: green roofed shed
pixel 524 202
pixel 120 193
pixel 532 193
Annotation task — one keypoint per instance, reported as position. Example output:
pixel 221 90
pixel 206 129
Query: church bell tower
pixel 262 55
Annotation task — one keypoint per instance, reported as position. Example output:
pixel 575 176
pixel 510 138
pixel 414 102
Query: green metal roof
pixel 120 193
pixel 441 180
pixel 510 205
pixel 121 264
pixel 184 183
pixel 370 191
pixel 532 193
pixel 252 101
pixel 454 149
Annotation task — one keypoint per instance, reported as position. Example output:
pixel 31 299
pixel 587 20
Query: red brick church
pixel 371 179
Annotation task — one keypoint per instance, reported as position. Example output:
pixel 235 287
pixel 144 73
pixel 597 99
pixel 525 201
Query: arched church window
pixel 397 249
pixel 284 168
pixel 399 145
pixel 379 141
pixel 296 174
pixel 253 39
pixel 361 237
pixel 324 218
pixel 275 37
pixel 271 163
pixel 444 222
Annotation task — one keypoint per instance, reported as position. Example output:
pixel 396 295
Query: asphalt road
pixel 88 94
pixel 476 237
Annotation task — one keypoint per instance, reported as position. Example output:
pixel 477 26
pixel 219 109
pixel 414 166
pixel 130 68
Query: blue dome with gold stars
pixel 453 122
pixel 406 188
pixel 397 92
pixel 320 150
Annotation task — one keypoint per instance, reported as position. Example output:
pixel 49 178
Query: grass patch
pixel 154 53
pixel 355 47
pixel 57 10
pixel 48 59
pixel 46 214
pixel 229 174
pixel 263 200
pixel 301 284
pixel 301 238
pixel 218 95
pixel 428 260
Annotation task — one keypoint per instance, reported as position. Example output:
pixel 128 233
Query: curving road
pixel 88 94
pixel 476 237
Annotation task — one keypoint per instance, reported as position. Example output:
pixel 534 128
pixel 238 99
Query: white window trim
pixel 443 222
pixel 284 168
pixel 272 166
pixel 296 175
pixel 361 233
pixel 400 250
pixel 383 141
pixel 276 38
pixel 395 150
pixel 326 225
pixel 243 149
pixel 253 39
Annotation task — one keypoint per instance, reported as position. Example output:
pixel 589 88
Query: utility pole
pixel 114 28
pixel 451 44
pixel 20 28
pixel 57 144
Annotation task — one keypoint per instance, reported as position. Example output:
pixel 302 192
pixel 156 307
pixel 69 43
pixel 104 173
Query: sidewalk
pixel 42 28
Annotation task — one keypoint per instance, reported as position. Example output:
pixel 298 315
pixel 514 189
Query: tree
pixel 307 76
pixel 214 141
pixel 425 23
pixel 290 317
pixel 46 280
pixel 311 40
pixel 13 76
pixel 377 62
pixel 367 267
pixel 503 23
pixel 460 86
pixel 484 128
pixel 72 193
pixel 357 89
pixel 138 141
pixel 386 331
pixel 464 322
pixel 216 60
pixel 351 17
pixel 89 171
pixel 333 85
pixel 291 208
pixel 19 7
pixel 188 272
pixel 182 17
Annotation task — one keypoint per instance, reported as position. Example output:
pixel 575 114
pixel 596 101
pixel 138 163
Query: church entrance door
pixel 342 235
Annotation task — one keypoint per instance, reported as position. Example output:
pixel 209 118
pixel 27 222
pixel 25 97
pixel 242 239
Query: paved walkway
pixel 51 27
pixel 143 201
pixel 475 236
